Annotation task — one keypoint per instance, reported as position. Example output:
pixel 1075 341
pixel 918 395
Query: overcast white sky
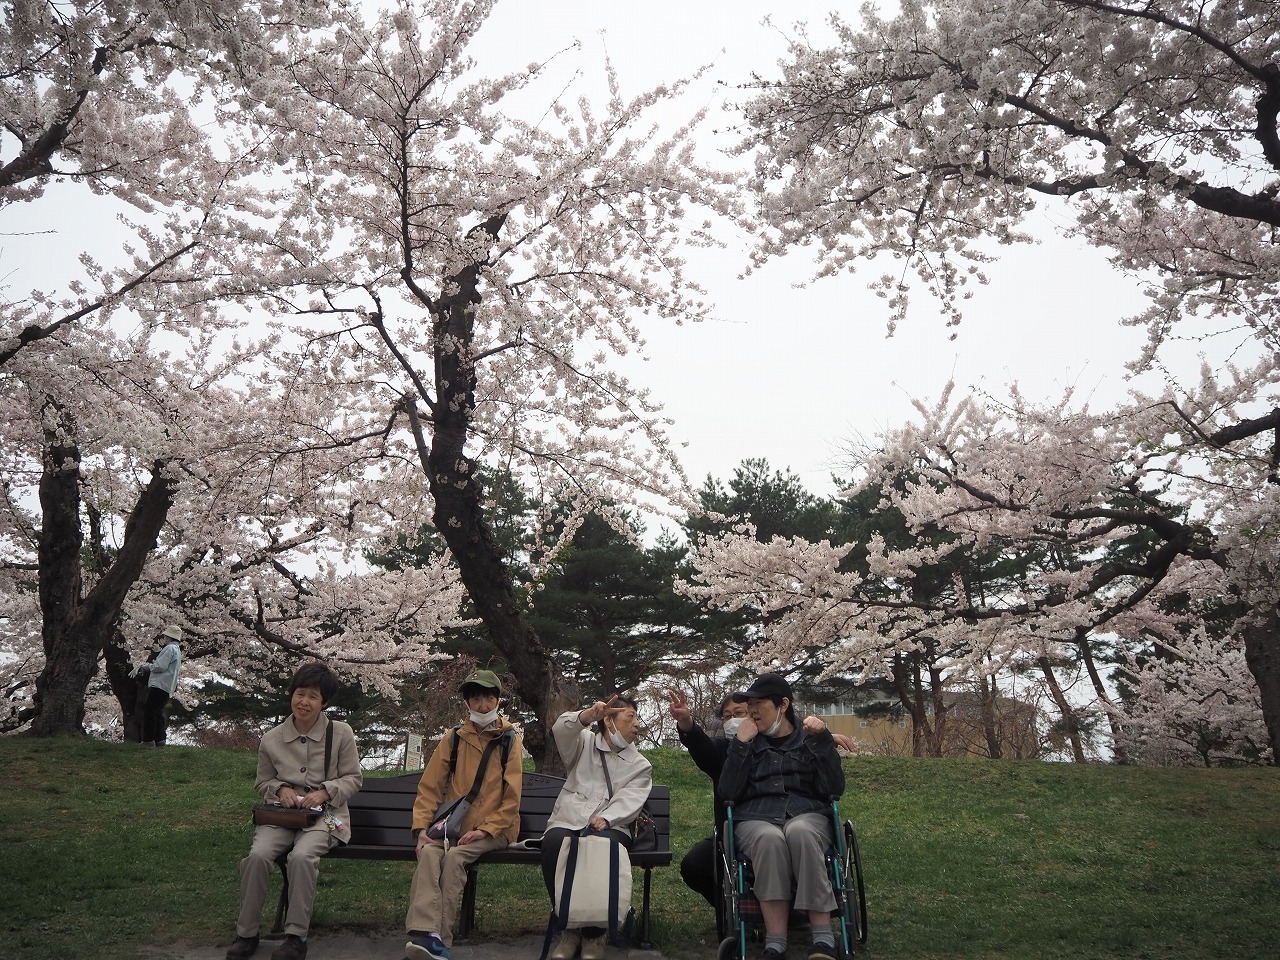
pixel 792 375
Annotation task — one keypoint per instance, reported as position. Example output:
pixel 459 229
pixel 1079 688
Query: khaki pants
pixel 438 882
pixel 793 853
pixel 305 847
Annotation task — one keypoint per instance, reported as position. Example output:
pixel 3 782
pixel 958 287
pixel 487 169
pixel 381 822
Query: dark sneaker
pixel 772 954
pixel 821 951
pixel 293 948
pixel 242 948
pixel 428 947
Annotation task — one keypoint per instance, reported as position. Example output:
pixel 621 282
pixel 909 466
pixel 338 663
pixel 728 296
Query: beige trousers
pixel 437 885
pixel 305 847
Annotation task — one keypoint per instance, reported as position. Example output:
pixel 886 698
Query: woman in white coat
pixel 589 799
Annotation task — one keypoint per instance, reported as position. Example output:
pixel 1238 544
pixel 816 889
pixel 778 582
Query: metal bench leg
pixel 282 907
pixel 467 920
pixel 646 932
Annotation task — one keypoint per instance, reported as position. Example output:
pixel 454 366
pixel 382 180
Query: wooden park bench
pixel 382 811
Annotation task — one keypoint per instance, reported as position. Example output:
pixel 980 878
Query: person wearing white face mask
pixel 698 868
pixel 491 823
pixel 589 799
pixel 781 775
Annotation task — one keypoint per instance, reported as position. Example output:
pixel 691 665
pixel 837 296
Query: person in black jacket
pixel 781 775
pixel 698 868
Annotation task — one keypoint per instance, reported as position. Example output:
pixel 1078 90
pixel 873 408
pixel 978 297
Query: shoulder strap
pixel 328 747
pixel 453 752
pixel 484 762
pixel 608 781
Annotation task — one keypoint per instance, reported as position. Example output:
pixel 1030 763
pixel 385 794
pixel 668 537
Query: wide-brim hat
pixel 768 685
pixel 482 678
pixel 173 632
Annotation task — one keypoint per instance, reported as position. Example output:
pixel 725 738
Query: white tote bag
pixel 593 883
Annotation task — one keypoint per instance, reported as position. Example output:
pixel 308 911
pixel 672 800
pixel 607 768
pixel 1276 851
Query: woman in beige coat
pixel 292 771
pixel 587 800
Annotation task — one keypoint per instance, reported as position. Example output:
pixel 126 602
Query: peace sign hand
pixel 598 710
pixel 679 710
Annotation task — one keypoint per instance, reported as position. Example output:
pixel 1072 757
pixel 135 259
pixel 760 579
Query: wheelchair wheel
pixel 729 949
pixel 855 890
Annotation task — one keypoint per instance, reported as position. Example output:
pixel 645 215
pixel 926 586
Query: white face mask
pixel 619 740
pixel 777 724
pixel 483 720
pixel 731 726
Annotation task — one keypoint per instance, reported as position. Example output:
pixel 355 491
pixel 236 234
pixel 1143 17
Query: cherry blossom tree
pixel 1151 127
pixel 474 272
pixel 136 491
pixel 1195 704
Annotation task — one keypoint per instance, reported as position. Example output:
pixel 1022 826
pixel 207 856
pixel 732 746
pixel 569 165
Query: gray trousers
pixel 793 854
pixel 437 885
pixel 305 847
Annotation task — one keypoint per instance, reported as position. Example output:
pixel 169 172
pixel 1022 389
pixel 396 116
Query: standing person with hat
pixel 782 775
pixel 162 680
pixel 491 823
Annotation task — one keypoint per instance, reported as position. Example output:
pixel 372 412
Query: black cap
pixel 768 685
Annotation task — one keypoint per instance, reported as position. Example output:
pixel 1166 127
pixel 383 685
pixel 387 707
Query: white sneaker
pixel 566 947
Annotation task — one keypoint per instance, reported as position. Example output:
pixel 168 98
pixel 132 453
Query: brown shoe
pixel 293 948
pixel 566 947
pixel 242 948
pixel 593 948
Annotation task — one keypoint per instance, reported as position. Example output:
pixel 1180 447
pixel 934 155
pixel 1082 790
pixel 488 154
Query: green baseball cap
pixel 482 678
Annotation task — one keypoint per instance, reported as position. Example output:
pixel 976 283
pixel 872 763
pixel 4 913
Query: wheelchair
pixel 739 918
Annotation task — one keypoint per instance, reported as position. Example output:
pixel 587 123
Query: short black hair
pixel 318 675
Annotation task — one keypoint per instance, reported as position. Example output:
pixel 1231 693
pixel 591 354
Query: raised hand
pixel 679 710
pixel 813 725
pixel 599 710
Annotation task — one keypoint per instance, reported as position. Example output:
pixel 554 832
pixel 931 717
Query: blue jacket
pixel 777 778
pixel 164 672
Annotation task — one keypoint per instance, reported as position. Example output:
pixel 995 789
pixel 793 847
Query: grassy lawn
pixel 111 848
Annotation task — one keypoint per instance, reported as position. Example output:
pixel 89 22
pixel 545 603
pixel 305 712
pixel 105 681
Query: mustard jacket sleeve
pixel 431 786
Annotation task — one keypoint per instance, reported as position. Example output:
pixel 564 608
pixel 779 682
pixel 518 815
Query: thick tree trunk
pixel 459 513
pixel 75 629
pixel 1261 630
pixel 130 692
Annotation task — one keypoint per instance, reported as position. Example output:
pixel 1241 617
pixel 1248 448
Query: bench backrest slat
pixel 381 814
